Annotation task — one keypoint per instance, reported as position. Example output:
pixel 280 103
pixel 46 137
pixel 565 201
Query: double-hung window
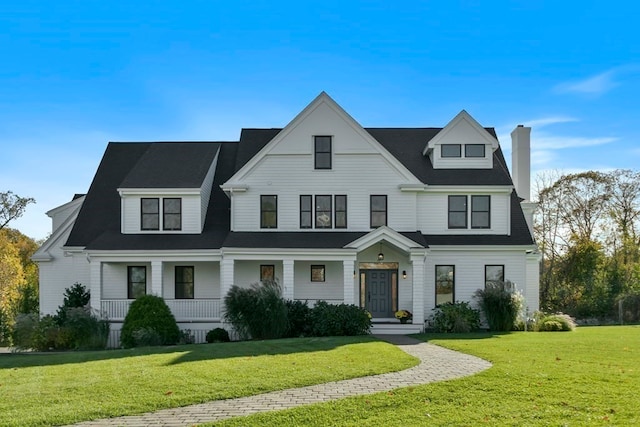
pixel 171 214
pixel 480 208
pixel 324 212
pixel 341 211
pixel 268 211
pixel 378 213
pixel 306 211
pixel 184 282
pixel 493 274
pixel 322 152
pixel 136 281
pixel 445 284
pixel 150 213
pixel 457 211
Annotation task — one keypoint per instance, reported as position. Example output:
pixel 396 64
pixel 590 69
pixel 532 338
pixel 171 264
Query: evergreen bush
pixel 339 320
pixel 149 313
pixel 218 335
pixel 500 305
pixel 299 316
pixel 455 317
pixel 258 312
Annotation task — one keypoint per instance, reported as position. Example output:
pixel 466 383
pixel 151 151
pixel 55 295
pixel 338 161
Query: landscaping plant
pixel 455 317
pixel 500 305
pixel 341 319
pixel 149 322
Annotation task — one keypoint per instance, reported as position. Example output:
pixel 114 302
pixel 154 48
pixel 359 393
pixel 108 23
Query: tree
pixel 12 206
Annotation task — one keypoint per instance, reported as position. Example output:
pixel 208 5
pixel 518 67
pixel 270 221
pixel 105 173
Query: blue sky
pixel 76 75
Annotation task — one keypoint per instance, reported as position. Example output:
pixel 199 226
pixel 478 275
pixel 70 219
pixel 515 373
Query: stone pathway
pixel 437 364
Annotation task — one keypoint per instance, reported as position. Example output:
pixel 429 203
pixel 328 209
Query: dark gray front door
pixel 378 293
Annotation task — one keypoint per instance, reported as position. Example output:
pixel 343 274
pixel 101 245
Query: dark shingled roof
pixel 162 165
pixel 172 165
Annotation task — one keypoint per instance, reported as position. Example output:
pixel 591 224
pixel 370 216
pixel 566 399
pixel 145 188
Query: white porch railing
pixel 184 310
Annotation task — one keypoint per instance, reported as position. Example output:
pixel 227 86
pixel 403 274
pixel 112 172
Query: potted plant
pixel 404 316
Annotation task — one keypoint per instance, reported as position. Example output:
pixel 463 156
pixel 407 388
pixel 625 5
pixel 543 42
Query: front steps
pixel 395 328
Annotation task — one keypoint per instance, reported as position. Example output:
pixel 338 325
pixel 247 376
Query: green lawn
pixel 71 387
pixel 587 377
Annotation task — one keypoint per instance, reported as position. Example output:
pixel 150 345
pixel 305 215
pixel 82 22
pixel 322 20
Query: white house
pixel 386 218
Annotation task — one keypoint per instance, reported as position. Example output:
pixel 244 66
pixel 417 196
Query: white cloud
pixel 556 142
pixel 594 85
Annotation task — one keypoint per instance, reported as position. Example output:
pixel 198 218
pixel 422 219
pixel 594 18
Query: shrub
pixel 338 320
pixel 299 316
pixel 218 335
pixel 186 337
pixel 500 305
pixel 82 330
pixel 257 312
pixel 75 296
pixel 630 304
pixel 149 312
pixel 24 330
pixel 146 337
pixel 455 317
pixel 555 322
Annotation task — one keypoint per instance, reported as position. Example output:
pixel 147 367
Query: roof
pixel 161 165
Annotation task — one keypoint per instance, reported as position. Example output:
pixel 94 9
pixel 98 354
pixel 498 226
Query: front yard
pixel 70 387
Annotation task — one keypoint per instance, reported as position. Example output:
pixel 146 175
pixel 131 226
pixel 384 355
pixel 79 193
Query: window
pixel 171 214
pixel 136 281
pixel 317 273
pixel 474 150
pixel 268 211
pixel 267 272
pixel 323 212
pixel 150 211
pixel 341 211
pixel 451 150
pixel 445 284
pixel 305 211
pixel 184 282
pixel 493 274
pixel 322 150
pixel 480 211
pixel 457 211
pixel 378 211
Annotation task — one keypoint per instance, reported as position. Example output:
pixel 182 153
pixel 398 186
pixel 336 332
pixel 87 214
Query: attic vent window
pixel 451 150
pixel 322 152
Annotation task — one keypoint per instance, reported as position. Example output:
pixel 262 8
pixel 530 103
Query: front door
pixel 378 294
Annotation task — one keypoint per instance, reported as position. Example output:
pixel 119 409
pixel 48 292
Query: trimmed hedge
pixel 455 317
pixel 338 320
pixel 149 322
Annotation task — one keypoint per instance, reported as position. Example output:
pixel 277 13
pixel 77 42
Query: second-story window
pixel 150 213
pixel 457 211
pixel 341 211
pixel 378 213
pixel 480 211
pixel 323 212
pixel 268 211
pixel 322 152
pixel 306 211
pixel 172 214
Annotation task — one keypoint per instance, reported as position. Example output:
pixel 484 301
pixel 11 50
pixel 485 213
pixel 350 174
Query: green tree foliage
pixel 149 321
pixel 587 227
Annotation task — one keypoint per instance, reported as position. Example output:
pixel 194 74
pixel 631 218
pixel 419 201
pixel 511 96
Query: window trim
pixel 335 211
pixel 447 156
pixel 466 212
pixel 485 273
pixel 371 211
pixel 484 151
pixel 263 211
pixel 143 214
pixel 488 212
pixel 193 282
pixel 130 282
pixel 319 267
pixel 164 213
pixel 316 152
pixel 315 212
pixel 453 283
pixel 265 267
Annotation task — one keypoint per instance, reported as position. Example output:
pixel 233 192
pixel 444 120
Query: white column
pixel 156 278
pixel 287 279
pixel 349 281
pixel 417 263
pixel 226 277
pixel 95 277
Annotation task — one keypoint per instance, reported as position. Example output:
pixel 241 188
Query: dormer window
pixel 322 152
pixel 171 214
pixel 150 212
pixel 451 150
pixel 474 150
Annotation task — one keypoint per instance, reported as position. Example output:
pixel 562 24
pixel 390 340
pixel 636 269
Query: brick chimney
pixel 521 161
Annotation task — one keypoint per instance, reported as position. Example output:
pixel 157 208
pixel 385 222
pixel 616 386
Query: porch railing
pixel 183 310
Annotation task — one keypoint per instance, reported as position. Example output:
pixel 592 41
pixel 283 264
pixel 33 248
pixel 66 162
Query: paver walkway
pixel 437 364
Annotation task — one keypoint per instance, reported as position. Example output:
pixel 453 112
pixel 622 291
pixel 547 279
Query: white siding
pixel 206 275
pixel 115 281
pixel 248 272
pixel 469 271
pixel 330 289
pixel 433 214
pixel 191 214
pixel 463 132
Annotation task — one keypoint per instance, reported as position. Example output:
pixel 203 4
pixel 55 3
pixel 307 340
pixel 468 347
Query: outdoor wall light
pixel 380 254
pixel 404 274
